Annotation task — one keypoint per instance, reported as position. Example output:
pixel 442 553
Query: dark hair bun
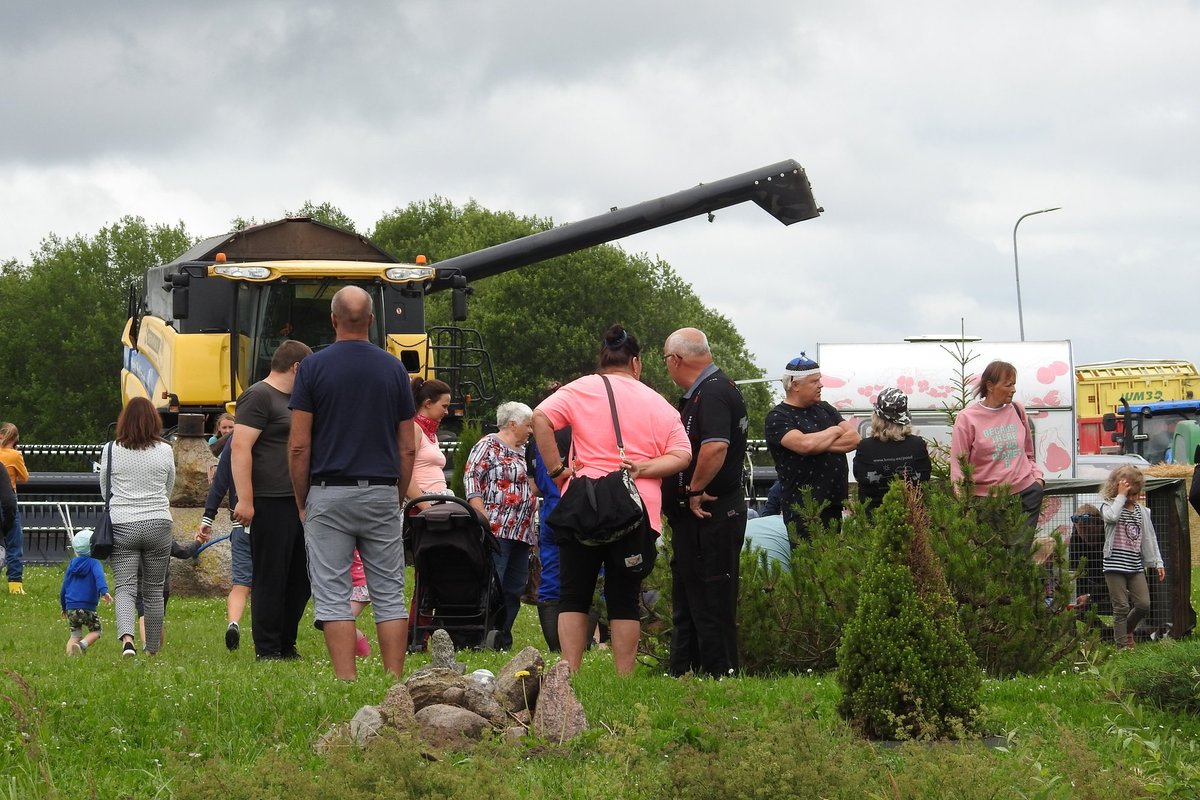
pixel 615 337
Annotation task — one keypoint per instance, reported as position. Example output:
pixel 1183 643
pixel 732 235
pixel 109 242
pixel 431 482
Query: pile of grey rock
pixel 449 709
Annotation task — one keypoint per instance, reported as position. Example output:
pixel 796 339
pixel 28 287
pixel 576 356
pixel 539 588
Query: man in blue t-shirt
pixel 351 452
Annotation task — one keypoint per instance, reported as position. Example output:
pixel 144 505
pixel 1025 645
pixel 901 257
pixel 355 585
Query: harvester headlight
pixel 409 273
pixel 251 273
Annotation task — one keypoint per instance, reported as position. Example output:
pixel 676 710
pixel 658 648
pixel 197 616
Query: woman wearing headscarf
pixel 892 450
pixel 655 446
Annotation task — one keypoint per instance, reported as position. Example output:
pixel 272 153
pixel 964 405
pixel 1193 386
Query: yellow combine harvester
pixel 203 327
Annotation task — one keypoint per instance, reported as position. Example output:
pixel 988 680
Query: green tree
pixel 905 669
pixel 64 312
pixel 544 322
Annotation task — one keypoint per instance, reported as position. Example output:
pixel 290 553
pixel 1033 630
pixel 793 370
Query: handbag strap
pixel 612 405
pixel 108 479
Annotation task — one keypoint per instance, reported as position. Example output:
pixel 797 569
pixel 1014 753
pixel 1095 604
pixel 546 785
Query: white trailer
pixel 854 374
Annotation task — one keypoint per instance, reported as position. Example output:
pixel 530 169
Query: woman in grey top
pixel 143 475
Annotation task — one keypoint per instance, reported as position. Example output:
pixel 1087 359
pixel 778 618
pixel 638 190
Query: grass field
pixel 201 722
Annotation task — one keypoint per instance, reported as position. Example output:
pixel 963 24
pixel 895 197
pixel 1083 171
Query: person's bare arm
pixel 543 436
pixel 241 460
pixel 848 438
pixel 406 441
pixel 660 466
pixel 300 456
pixel 709 460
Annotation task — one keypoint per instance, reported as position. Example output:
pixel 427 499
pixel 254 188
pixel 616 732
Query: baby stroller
pixel 451 547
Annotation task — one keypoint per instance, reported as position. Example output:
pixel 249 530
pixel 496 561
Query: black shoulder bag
pixel 102 536
pixel 599 511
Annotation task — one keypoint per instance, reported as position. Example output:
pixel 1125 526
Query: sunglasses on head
pixel 1082 517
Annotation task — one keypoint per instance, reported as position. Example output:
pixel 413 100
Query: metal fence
pixel 1171 613
pixel 46 523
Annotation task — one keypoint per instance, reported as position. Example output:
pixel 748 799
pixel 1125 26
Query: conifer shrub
pixel 790 621
pixel 905 669
pixel 1012 620
pixel 472 432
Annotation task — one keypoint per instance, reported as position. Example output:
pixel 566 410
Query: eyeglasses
pixel 667 356
pixel 1081 517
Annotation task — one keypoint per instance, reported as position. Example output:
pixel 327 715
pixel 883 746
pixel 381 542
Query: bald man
pixel 350 457
pixel 706 507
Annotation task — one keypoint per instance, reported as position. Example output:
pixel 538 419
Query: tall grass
pixel 200 722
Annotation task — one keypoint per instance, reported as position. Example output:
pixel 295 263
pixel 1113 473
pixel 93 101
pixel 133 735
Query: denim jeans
pixel 14 551
pixel 512 568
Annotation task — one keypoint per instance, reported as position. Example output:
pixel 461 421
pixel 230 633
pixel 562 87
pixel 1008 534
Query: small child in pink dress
pixel 359 599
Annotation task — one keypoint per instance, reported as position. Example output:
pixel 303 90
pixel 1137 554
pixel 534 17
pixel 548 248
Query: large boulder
pixel 450 726
pixel 441 650
pixel 559 715
pixel 397 708
pixel 209 574
pixel 366 725
pixel 192 460
pixel 517 684
pixel 441 686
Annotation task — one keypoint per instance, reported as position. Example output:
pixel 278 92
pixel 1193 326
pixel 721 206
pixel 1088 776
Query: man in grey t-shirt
pixel 266 506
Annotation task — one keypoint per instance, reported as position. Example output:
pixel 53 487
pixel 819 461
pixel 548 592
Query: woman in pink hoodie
pixel 996 439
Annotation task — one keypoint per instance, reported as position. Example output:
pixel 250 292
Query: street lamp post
pixel 1017 269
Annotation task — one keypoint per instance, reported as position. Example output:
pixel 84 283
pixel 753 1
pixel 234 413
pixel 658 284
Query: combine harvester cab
pixel 202 328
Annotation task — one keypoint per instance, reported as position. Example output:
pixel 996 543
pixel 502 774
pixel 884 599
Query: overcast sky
pixel 926 129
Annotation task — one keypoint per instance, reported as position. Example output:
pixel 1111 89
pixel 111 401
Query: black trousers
pixel 704 574
pixel 280 589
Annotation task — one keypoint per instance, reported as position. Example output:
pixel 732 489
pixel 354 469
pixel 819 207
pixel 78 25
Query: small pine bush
pixel 792 621
pixel 905 669
pixel 472 432
pixel 986 548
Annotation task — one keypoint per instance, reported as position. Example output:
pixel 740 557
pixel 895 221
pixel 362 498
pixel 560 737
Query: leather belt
pixel 355 481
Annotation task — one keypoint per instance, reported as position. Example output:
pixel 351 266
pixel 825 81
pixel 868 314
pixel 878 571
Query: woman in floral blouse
pixel 498 486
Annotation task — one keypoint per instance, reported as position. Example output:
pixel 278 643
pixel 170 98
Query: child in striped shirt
pixel 1129 547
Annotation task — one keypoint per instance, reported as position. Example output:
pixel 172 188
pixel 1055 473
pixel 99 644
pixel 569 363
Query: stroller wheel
pixel 489 641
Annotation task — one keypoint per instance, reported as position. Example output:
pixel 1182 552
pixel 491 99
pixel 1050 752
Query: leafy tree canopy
pixel 544 322
pixel 63 313
pixel 65 308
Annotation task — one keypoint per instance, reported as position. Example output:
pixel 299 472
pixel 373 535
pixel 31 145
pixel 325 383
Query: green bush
pixel 472 432
pixel 792 621
pixel 1166 676
pixel 985 546
pixel 905 670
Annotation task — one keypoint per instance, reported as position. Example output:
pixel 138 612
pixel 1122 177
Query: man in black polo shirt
pixel 706 507
pixel 809 440
pixel 351 452
pixel 266 509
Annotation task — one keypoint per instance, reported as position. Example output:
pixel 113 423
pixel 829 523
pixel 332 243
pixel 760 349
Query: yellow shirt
pixel 14 462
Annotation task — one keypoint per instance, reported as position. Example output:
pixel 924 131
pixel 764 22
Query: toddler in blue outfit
pixel 83 587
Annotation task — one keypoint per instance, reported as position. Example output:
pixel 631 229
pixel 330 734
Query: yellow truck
pixel 1108 388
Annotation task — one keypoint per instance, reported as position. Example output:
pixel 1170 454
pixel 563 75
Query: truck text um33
pixel 202 328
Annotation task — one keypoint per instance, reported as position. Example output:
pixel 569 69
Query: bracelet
pixel 695 494
pixel 562 467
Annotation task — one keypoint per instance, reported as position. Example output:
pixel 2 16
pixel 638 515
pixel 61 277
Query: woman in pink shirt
pixel 656 445
pixel 432 399
pixel 996 438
